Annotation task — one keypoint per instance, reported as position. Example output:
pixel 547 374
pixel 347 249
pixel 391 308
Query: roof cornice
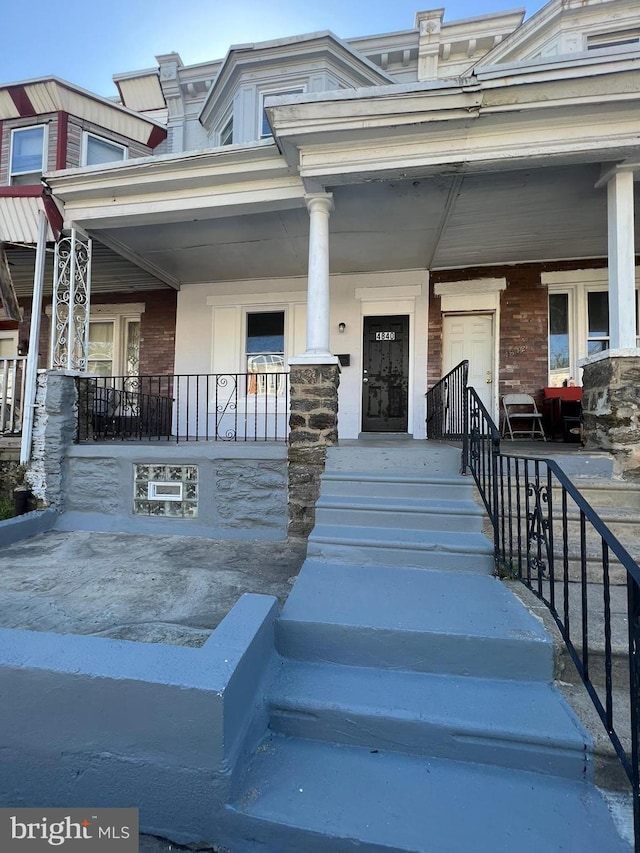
pixel 242 58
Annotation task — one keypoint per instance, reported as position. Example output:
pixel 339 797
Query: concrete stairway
pixel 413 707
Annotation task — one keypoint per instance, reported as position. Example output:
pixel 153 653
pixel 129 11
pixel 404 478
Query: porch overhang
pixel 433 176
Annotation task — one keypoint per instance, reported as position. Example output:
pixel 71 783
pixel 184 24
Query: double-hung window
pixel 96 150
pixel 28 145
pixel 114 346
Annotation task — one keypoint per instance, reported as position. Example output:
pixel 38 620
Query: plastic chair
pixel 521 409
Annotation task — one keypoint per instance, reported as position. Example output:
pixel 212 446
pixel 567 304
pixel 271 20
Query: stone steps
pixel 413 706
pixel 411 619
pixel 431 715
pixel 316 796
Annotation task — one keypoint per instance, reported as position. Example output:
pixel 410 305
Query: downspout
pixel 34 340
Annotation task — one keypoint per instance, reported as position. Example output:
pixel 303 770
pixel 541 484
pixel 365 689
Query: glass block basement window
pixel 170 491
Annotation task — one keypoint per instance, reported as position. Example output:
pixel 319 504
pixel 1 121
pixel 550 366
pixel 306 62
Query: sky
pixel 87 42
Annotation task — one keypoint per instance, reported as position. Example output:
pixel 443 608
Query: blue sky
pixel 87 42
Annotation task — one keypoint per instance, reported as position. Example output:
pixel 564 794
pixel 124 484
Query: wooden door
pixel 470 336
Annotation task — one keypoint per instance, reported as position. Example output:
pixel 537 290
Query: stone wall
pixel 11 472
pixel 313 426
pixel 611 407
pixel 54 431
pixel 241 488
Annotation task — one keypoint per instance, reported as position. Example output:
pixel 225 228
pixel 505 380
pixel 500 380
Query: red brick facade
pixel 157 328
pixel 523 364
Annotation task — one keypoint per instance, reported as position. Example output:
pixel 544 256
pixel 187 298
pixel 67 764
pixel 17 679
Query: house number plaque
pixel 385 336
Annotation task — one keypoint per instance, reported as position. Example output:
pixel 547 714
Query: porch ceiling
pixel 437 222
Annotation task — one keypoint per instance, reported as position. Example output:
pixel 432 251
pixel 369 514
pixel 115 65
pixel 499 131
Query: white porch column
pixel 622 310
pixel 320 206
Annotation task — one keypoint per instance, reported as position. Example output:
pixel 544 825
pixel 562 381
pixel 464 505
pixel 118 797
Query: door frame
pixel 392 304
pixel 378 316
pixel 479 296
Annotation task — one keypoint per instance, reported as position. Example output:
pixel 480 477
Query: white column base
pixel 314 358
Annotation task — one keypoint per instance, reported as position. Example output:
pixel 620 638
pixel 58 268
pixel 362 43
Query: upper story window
pixel 226 134
pixel 28 145
pixel 97 150
pixel 265 130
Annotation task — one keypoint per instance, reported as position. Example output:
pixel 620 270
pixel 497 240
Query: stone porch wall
pixel 611 408
pixel 241 487
pixel 313 427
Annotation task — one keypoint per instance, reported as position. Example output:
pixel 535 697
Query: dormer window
pixel 96 150
pixel 28 145
pixel 613 39
pixel 226 134
pixel 265 130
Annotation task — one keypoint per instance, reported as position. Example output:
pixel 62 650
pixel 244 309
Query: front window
pixel 265 130
pixel 98 150
pixel 265 352
pixel 27 154
pixel 114 347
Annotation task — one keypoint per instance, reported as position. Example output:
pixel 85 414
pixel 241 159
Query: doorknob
pixel 489 377
pixel 365 379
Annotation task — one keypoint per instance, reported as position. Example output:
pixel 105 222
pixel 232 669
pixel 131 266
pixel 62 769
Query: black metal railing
pixel 447 413
pixel 200 407
pixel 547 536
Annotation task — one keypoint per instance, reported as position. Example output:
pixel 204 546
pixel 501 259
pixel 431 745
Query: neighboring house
pixel 49 124
pixel 402 201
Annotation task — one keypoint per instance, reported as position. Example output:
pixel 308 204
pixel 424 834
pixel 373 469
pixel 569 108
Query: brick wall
pixel 157 327
pixel 523 363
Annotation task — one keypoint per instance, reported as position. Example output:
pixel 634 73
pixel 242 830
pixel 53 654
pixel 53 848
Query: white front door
pixel 470 336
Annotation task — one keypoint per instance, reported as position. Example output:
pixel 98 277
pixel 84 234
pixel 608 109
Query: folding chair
pixel 521 409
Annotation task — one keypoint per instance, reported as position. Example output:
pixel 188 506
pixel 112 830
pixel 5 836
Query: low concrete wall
pixel 242 489
pixel 23 526
pixel 87 721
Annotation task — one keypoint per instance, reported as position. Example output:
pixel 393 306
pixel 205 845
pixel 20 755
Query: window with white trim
pixel 265 352
pixel 96 150
pixel 265 129
pixel 578 325
pixel 114 345
pixel 28 146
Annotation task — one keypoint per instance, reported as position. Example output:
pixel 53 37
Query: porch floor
pixel 157 589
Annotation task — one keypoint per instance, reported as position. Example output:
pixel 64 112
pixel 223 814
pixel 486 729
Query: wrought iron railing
pixel 547 536
pixel 447 413
pixel 12 382
pixel 201 407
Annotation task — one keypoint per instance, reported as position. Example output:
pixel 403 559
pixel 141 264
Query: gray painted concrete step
pixel 465 719
pixel 301 795
pixel 439 550
pixel 399 513
pixel 405 618
pixel 395 485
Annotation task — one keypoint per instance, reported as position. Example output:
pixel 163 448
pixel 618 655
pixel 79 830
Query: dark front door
pixel 385 374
